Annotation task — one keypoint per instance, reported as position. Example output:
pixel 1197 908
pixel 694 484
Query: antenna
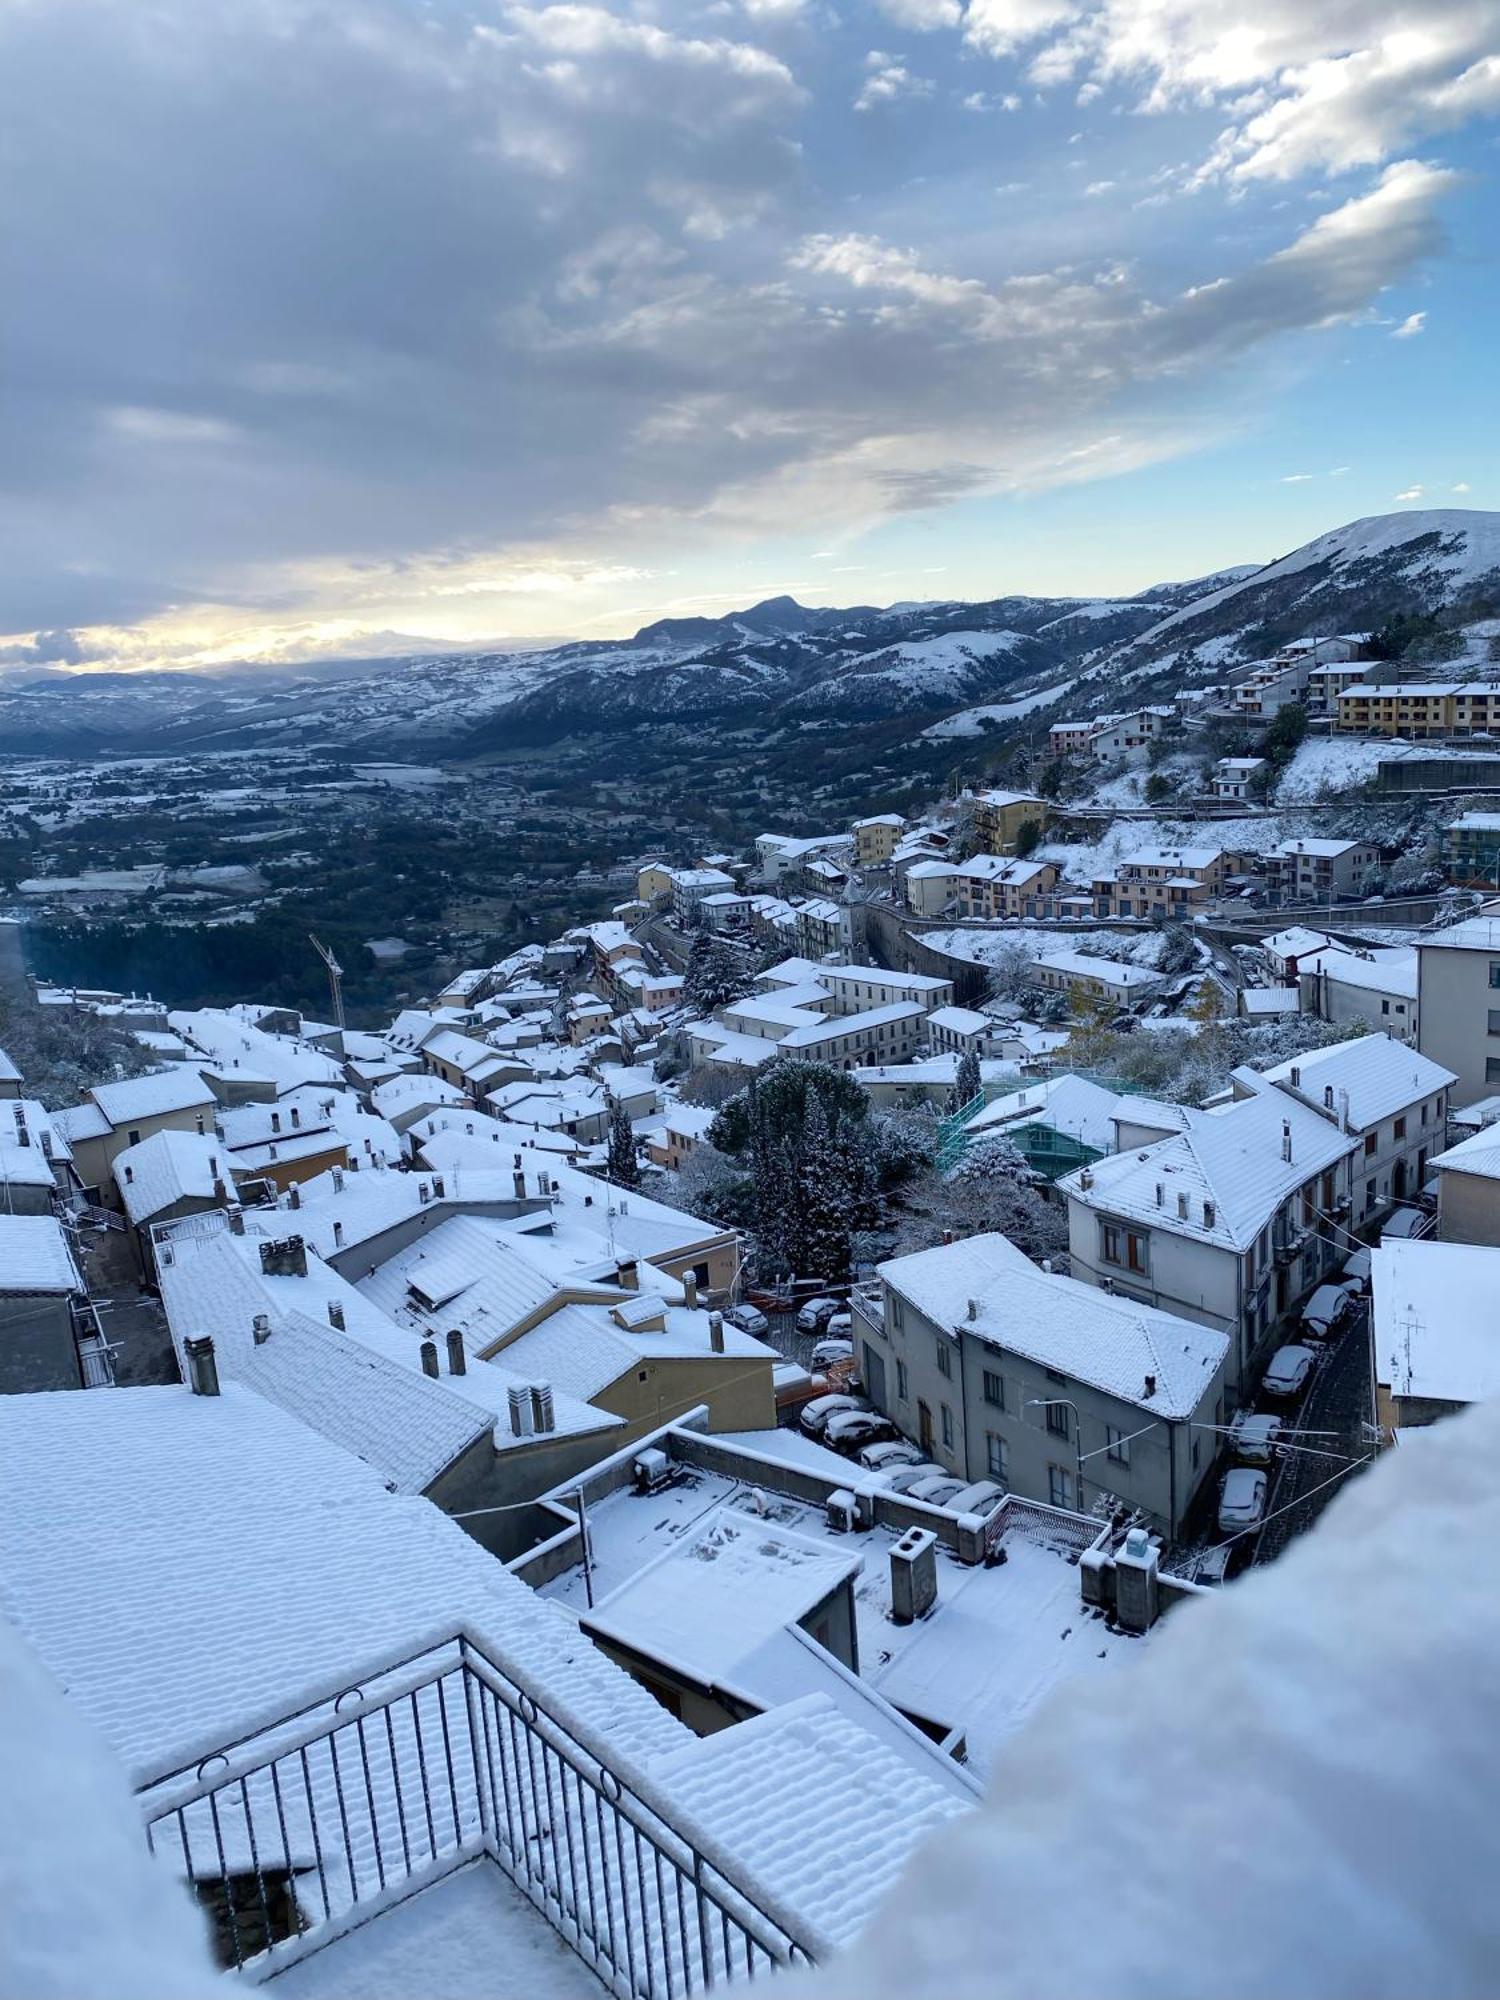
pixel 335 979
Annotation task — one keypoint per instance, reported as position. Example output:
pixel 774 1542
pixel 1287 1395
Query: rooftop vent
pixel 203 1369
pixel 458 1361
pixel 1286 1140
pixel 336 1315
pixel 518 1398
pixel 260 1329
pixel 1208 1215
pixel 1150 1389
pixel 543 1413
pixel 429 1358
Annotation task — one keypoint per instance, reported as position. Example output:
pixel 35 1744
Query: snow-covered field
pixel 971 721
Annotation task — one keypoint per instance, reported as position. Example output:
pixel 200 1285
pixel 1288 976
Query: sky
pixel 352 326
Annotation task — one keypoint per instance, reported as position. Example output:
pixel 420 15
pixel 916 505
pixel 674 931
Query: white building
pixel 1237 777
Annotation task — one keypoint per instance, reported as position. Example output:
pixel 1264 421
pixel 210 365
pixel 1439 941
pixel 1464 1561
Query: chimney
pixel 23 1135
pixel 294 1196
pixel 338 1178
pixel 716 1332
pixel 336 1315
pixel 543 1415
pixel 129 1173
pixel 221 1193
pixel 973 1308
pixel 236 1222
pixel 1344 1123
pixel 1286 1139
pixel 338 1235
pixel 46 1142
pixel 437 1187
pixel 260 1329
pixel 913 1576
pixel 1182 1207
pixel 689 1288
pixel 284 1259
pixel 1085 1179
pixel 518 1179
pixel 1161 1198
pixel 1328 1097
pixel 1208 1215
pixel 458 1361
pixel 203 1370
pixel 429 1358
pixel 1150 1388
pixel 1296 1077
pixel 630 1274
pixel 519 1399
pixel 296 1116
pixel 424 1192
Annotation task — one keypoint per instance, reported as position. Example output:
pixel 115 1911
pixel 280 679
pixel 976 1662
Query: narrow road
pixel 1338 1403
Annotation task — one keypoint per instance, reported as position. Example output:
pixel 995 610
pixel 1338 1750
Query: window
pixel 1370 1144
pixel 1059 1486
pixel 944 1356
pixel 898 1312
pixel 1118 1443
pixel 947 1428
pixel 902 1385
pixel 1125 1247
pixel 133 1138
pixel 1494 973
pixel 1369 1194
pixel 1058 1415
pixel 994 1458
pixel 1385 1008
pixel 994 1388
pixel 1492 1069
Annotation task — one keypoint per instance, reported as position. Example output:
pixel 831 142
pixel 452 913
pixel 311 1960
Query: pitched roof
pixel 1381 1075
pixel 1233 1158
pixel 170 1167
pixel 34 1256
pixel 151 1096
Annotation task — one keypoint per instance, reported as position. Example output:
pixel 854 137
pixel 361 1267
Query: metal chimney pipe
pixel 429 1358
pixel 203 1370
pixel 458 1361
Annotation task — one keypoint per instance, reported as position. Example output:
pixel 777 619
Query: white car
pixel 816 1314
pixel 1287 1372
pixel 815 1415
pixel 1242 1500
pixel 914 1475
pixel 828 1352
pixel 1404 1222
pixel 890 1456
pixel 937 1489
pixel 749 1319
pixel 1253 1437
pixel 982 1498
pixel 1357 1269
pixel 850 1431
pixel 840 1326
pixel 1324 1311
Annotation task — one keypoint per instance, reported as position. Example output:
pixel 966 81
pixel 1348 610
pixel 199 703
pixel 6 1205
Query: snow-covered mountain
pixel 779 662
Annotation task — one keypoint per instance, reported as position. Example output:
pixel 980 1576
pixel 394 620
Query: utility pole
pixel 335 979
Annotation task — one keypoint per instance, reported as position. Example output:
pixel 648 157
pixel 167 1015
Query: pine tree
pixel 623 1168
pixel 969 1081
pixel 825 1208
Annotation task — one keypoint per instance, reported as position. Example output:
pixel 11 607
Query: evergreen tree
pixel 969 1081
pixel 623 1168
pixel 825 1205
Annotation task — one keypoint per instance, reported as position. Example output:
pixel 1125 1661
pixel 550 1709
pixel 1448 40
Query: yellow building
pixel 654 880
pixel 999 817
pixel 1404 708
pixel 875 838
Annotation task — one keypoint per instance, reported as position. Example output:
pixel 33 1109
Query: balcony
pixel 333 1820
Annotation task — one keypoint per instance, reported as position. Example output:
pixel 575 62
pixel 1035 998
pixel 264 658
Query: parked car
pixel 1324 1311
pixel 849 1431
pixel 982 1498
pixel 1404 1222
pixel 815 1414
pixel 816 1314
pixel 828 1353
pixel 1242 1500
pixel 914 1475
pixel 840 1326
pixel 749 1319
pixel 890 1456
pixel 937 1489
pixel 1253 1436
pixel 1357 1269
pixel 1287 1372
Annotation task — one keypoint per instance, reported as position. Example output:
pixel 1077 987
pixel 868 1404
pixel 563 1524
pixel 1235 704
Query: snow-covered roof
pixel 1382 1076
pixel 851 1024
pixel 1433 1313
pixel 1232 1159
pixel 1296 941
pixel 1000 868
pixel 34 1256
pixel 330 1572
pixel 1475 822
pixel 8 1071
pixel 1074 1105
pixel 1175 858
pixel 1084 965
pixel 170 1167
pixel 1478 1154
pixel 151 1096
pixel 1269 1000
pixel 1131 1352
pixel 1471 934
pixel 1391 970
pixel 961 1021
pixel 1319 850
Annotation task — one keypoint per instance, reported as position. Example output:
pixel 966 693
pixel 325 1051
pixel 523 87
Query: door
pixel 875 1377
pixel 924 1429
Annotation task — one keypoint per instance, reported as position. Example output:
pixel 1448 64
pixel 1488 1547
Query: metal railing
pixel 330 1817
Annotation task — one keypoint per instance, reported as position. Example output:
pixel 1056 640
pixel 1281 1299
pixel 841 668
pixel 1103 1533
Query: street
pixel 1337 1403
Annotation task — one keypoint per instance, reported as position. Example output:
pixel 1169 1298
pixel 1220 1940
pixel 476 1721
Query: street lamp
pixel 1065 1403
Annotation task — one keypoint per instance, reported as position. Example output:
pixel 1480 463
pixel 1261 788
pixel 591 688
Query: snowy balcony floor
pixel 473 1936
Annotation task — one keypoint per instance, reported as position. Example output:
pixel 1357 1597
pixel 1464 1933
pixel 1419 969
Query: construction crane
pixel 335 979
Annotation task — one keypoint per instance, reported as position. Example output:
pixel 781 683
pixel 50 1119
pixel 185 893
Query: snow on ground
pixel 996 946
pixel 971 721
pixel 1328 1724
pixel 453 1939
pixel 1327 765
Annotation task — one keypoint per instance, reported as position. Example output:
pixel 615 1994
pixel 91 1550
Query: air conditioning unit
pixel 652 1469
pixel 842 1511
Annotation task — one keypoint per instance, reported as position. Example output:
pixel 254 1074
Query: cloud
pixel 64 649
pixel 922 16
pixel 1323 87
pixel 1297 478
pixel 1411 493
pixel 888 79
pixel 1410 327
pixel 330 319
pixel 1461 487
